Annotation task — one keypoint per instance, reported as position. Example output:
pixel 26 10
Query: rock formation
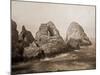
pixel 24 46
pixel 76 36
pixel 49 39
pixel 31 48
pixel 16 48
pixel 26 36
pixel 14 34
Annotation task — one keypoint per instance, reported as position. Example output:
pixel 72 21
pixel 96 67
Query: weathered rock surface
pixel 49 39
pixel 76 36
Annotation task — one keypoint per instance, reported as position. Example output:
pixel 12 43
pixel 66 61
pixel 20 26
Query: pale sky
pixel 32 14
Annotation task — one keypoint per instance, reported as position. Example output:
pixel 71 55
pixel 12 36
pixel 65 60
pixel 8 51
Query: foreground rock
pixel 76 36
pixel 49 39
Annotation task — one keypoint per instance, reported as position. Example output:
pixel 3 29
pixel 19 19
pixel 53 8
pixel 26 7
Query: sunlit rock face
pixel 76 36
pixel 49 39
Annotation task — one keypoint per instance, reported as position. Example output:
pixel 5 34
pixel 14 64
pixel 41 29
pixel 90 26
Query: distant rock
pixel 49 39
pixel 76 36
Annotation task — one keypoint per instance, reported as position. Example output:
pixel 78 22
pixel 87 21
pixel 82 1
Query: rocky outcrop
pixel 24 46
pixel 31 48
pixel 14 32
pixel 16 47
pixel 76 36
pixel 49 39
pixel 26 36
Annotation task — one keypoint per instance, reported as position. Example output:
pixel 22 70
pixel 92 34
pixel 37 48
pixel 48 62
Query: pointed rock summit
pixel 26 36
pixel 76 36
pixel 52 29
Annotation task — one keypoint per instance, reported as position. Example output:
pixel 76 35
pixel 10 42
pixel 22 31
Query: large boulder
pixel 76 36
pixel 49 39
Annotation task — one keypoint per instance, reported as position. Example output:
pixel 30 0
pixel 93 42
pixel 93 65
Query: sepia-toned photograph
pixel 52 37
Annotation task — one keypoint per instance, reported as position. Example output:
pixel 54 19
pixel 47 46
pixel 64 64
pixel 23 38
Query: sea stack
pixel 76 36
pixel 49 39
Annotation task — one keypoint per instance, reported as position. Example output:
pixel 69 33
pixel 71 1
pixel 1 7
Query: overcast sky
pixel 33 14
